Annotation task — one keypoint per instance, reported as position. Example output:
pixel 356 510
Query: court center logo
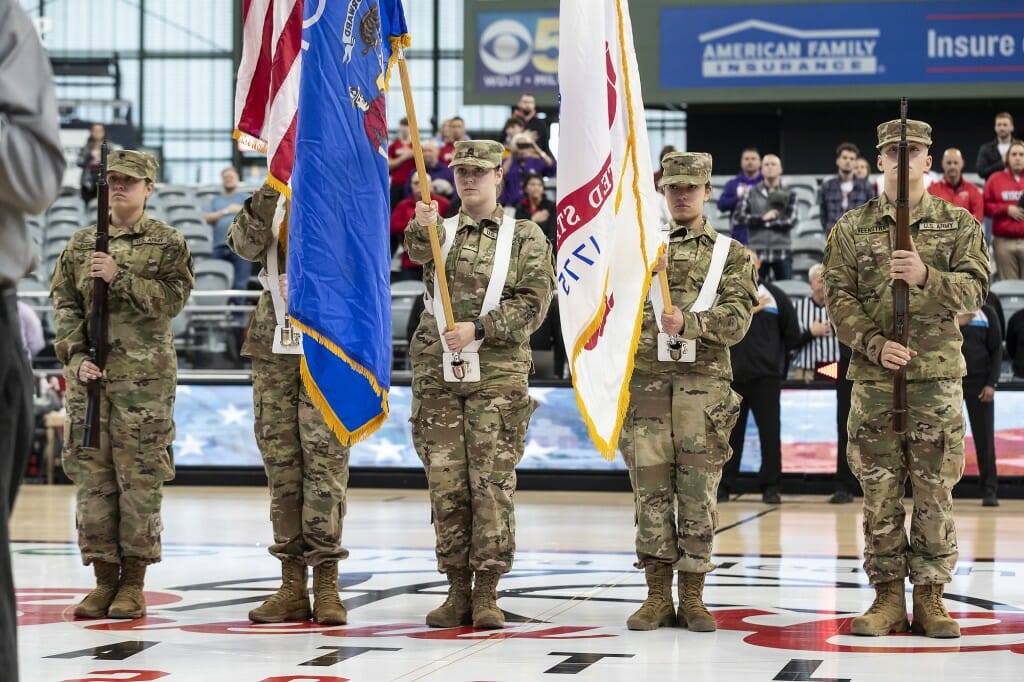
pixel 760 49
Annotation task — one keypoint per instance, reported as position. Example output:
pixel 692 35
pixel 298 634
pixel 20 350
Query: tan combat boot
pixel 327 607
pixel 888 613
pixel 291 601
pixel 457 608
pixel 930 616
pixel 486 614
pixel 658 609
pixel 97 602
pixel 130 602
pixel 692 613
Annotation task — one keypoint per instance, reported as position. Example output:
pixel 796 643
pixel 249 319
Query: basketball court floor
pixel 788 583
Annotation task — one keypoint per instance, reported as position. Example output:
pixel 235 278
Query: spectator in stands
pixel 768 213
pixel 536 206
pixel 513 126
pixel 401 217
pixel 32 339
pixel 526 109
pixel 758 367
pixel 954 188
pixel 983 351
pixel 31 169
pixel 818 345
pixel 437 170
pixel 220 213
pixel 89 159
pixel 1003 191
pixel 401 163
pixel 453 130
pixel 862 170
pixel 992 154
pixel 843 191
pixel 734 189
pixel 1015 343
pixel 527 158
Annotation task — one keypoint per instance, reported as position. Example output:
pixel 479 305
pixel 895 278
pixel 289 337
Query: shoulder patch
pixel 950 225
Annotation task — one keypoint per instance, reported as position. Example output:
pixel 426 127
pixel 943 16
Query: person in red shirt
pixel 954 188
pixel 401 216
pixel 401 163
pixel 1003 192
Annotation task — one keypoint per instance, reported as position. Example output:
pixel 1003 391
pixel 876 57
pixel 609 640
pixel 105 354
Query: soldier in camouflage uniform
pixel 470 436
pixel 119 486
pixel 306 465
pixel 948 271
pixel 675 437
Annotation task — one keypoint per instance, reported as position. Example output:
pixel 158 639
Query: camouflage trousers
pixel 470 438
pixel 675 441
pixel 931 454
pixel 307 468
pixel 119 486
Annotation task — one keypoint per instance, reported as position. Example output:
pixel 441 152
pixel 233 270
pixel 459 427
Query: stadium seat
pixel 403 297
pixel 1011 295
pixel 794 288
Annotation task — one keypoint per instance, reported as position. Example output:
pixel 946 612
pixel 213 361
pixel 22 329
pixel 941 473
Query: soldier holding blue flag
pixel 306 465
pixel 469 428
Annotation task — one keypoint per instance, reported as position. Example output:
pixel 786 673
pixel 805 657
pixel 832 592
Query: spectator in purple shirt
pixel 749 175
pixel 526 158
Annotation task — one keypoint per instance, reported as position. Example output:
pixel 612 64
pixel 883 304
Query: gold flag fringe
pixel 345 435
pixel 251 141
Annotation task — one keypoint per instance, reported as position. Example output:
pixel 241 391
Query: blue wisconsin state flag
pixel 338 242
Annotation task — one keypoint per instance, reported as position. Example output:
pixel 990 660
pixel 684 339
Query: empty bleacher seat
pixel 403 298
pixel 1011 295
pixel 794 288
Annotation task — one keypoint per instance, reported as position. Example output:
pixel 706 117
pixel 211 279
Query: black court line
pixel 746 520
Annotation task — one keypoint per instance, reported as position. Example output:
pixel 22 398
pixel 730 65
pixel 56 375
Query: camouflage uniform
pixel 471 469
pixel 119 486
pixel 675 438
pixel 859 290
pixel 307 468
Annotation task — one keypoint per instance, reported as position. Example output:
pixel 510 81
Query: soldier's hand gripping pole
pixel 98 317
pixel 675 344
pixel 421 171
pixel 900 288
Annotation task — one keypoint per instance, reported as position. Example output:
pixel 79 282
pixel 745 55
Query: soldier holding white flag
pixel 675 438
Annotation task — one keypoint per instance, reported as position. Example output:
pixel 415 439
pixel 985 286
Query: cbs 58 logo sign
pixel 517 50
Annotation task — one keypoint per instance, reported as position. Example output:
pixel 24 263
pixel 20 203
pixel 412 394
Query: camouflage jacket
pixel 153 281
pixel 250 235
pixel 859 291
pixel 722 325
pixel 524 298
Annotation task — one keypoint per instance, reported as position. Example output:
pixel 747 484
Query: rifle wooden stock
pixel 98 316
pixel 900 288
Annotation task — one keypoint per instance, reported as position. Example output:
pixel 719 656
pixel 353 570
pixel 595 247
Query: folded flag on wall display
pixel 608 234
pixel 339 243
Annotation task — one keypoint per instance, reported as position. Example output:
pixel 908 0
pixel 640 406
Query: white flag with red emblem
pixel 608 234
pixel 267 90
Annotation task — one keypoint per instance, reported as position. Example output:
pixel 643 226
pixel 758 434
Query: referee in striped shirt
pixel 818 344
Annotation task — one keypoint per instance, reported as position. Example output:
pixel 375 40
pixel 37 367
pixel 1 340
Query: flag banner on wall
pixel 339 250
pixel 608 235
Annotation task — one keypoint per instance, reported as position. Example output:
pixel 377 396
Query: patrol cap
pixel 917 131
pixel 685 168
pixel 133 163
pixel 479 153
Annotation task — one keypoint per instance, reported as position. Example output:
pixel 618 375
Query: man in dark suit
pixel 991 154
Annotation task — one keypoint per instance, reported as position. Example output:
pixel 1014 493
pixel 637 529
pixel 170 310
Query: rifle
pixel 98 318
pixel 900 288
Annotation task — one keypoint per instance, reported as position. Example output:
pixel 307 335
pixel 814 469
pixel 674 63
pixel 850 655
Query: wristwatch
pixel 478 328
